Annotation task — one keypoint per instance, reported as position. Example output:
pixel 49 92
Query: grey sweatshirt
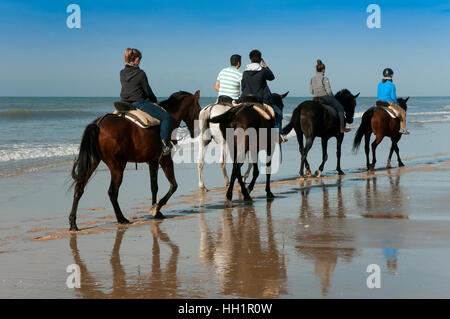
pixel 320 85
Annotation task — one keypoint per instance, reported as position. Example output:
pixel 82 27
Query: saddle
pixel 387 107
pixel 137 116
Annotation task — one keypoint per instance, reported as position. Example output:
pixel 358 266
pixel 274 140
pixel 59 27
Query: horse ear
pixel 197 95
pixel 406 100
pixel 357 95
pixel 284 95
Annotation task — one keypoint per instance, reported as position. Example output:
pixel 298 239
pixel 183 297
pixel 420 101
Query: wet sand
pixel 314 240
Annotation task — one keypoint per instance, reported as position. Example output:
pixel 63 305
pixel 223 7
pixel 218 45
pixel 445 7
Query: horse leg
pixel 255 176
pixel 367 149
pixel 167 166
pixel 390 154
pixel 324 156
pixel 201 162
pixel 244 190
pixel 113 192
pixel 223 163
pixel 247 172
pixel 79 190
pixel 397 151
pixel 153 166
pixel 374 148
pixel 304 152
pixel 269 193
pixel 339 140
pixel 229 194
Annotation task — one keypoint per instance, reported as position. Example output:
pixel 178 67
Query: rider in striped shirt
pixel 229 79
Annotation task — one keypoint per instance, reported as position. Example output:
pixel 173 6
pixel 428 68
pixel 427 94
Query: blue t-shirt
pixel 386 92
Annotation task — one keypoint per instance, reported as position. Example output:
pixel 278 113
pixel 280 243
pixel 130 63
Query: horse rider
pixel 386 92
pixel 254 81
pixel 319 86
pixel 228 81
pixel 137 91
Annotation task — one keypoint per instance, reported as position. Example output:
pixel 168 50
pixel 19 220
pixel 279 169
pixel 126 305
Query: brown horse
pixel 376 120
pixel 116 141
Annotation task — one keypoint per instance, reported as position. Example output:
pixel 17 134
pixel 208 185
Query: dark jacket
pixel 135 86
pixel 255 82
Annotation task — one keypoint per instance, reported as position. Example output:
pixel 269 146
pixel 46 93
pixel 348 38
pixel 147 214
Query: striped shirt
pixel 230 82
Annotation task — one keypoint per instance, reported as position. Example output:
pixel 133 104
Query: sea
pixel 39 132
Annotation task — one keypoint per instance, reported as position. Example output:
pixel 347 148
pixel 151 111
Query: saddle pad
pixel 392 112
pixel 139 117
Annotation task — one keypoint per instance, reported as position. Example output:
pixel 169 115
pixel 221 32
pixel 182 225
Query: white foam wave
pixel 24 152
pixel 432 120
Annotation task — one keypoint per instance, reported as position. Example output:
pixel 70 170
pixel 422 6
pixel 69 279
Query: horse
pixel 244 117
pixel 376 120
pixel 314 119
pixel 211 131
pixel 116 141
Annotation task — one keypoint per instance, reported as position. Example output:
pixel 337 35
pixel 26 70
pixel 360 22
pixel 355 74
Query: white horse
pixel 210 131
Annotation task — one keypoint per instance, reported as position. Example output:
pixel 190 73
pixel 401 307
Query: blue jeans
pixel 278 117
pixel 159 113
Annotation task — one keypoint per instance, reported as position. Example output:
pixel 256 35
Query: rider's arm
pixel 147 89
pixel 326 84
pixel 217 86
pixel 394 94
pixel 311 87
pixel 269 74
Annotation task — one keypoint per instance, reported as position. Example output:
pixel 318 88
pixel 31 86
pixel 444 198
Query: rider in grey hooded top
pixel 319 86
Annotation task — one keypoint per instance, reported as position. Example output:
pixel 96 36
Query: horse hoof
pixel 249 189
pixel 270 195
pixel 308 173
pixel 388 166
pixel 401 165
pixel 228 203
pixel 159 215
pixel 204 189
pixel 124 221
pixel 341 173
pixel 318 173
pixel 73 228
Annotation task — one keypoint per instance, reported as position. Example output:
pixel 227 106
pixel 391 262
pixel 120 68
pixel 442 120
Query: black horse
pixel 245 117
pixel 314 119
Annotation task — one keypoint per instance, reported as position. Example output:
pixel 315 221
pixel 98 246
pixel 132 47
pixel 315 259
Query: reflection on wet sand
pixel 324 241
pixel 387 202
pixel 159 284
pixel 246 259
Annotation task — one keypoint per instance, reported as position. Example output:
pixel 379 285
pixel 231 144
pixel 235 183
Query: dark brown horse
pixel 245 117
pixel 313 119
pixel 116 141
pixel 376 120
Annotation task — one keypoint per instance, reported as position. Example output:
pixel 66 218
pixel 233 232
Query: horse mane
pixel 172 104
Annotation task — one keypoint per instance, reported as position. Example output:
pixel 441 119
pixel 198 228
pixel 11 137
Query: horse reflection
pixel 244 256
pixel 324 241
pixel 159 284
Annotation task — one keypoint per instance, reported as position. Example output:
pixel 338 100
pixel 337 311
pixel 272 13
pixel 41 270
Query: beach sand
pixel 314 240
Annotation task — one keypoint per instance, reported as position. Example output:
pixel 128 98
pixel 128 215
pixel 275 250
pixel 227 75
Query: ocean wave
pixel 27 152
pixel 432 120
pixel 44 114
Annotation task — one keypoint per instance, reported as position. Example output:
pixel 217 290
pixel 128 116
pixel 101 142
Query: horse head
pixel 348 101
pixel 278 99
pixel 184 106
pixel 402 103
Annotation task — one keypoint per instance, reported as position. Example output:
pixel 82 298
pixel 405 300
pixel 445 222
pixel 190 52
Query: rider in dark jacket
pixel 137 91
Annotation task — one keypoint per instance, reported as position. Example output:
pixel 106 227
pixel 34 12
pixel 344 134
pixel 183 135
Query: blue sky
pixel 186 43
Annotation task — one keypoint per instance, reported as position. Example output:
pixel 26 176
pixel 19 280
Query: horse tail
pixel 363 128
pixel 88 156
pixel 226 117
pixel 295 120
